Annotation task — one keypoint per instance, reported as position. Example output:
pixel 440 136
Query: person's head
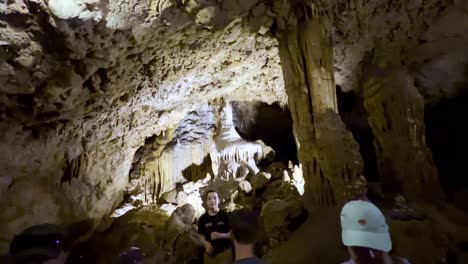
pixel 365 232
pixel 44 243
pixel 212 200
pixel 244 227
pixel 132 256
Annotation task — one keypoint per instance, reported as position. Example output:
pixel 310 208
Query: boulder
pixel 185 247
pixel 174 197
pixel 268 152
pixel 180 221
pixel 278 216
pixel 276 170
pixel 142 228
pixel 245 186
pixel 260 180
pixel 280 190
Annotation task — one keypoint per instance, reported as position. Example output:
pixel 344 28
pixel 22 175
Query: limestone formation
pixel 109 105
pixel 396 115
pixel 260 180
pixel 230 147
pixel 329 155
pixel 277 215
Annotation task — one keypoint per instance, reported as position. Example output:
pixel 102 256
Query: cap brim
pixel 379 241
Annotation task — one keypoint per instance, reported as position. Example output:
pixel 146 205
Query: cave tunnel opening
pixel 354 115
pixel 272 124
pixel 446 136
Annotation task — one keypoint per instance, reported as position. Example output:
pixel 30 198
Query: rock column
pixel 328 153
pixel 396 115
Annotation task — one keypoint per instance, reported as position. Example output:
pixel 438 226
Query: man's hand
pixel 208 247
pixel 217 235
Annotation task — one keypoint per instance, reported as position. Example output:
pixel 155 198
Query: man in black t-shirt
pixel 213 230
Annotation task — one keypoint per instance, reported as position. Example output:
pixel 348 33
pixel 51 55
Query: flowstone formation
pixel 231 152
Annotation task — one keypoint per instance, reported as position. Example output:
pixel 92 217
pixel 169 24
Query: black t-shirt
pixel 249 261
pixel 215 223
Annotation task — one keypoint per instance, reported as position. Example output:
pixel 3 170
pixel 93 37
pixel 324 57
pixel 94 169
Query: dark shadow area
pixel 352 112
pixel 446 136
pixel 269 123
pixel 196 172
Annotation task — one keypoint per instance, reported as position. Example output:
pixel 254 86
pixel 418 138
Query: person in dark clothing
pixel 213 230
pixel 245 228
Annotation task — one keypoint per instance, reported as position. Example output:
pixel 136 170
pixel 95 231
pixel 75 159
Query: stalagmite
pixel 396 115
pixel 229 146
pixel 328 153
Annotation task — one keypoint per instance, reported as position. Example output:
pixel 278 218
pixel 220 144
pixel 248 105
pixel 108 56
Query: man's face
pixel 212 200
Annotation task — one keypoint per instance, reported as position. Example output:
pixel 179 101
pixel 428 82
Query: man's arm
pixel 204 241
pixel 219 235
pixel 206 244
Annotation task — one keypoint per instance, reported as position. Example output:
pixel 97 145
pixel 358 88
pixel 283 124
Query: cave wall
pixel 84 84
pixel 98 86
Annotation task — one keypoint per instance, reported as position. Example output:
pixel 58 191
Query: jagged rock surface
pixel 84 83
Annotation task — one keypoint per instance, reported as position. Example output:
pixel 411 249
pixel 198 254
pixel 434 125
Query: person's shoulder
pixel 222 213
pixel 203 216
pixel 404 261
pixel 400 260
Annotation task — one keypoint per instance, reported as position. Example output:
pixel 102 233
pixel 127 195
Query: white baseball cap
pixel 363 225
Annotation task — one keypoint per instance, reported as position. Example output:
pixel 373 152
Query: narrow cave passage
pixel 446 136
pixel 351 109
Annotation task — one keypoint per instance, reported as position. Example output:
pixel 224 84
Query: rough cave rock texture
pixel 85 82
pixel 80 93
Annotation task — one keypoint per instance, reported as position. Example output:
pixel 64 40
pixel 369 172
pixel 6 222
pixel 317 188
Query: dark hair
pixel 244 226
pixel 39 242
pixel 208 192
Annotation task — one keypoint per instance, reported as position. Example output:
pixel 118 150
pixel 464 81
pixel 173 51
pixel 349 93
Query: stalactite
pixel 154 197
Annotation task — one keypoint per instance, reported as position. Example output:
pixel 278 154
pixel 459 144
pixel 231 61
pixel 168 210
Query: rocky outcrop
pixel 76 89
pixel 277 215
pixel 260 180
